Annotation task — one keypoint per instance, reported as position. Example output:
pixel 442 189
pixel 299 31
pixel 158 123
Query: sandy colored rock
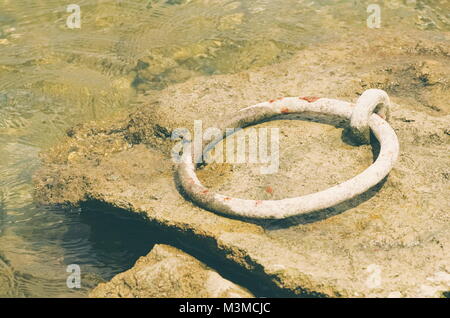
pixel 167 272
pixel 391 241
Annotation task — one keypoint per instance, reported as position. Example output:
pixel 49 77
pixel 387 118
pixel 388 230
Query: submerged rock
pixel 167 272
pixel 391 241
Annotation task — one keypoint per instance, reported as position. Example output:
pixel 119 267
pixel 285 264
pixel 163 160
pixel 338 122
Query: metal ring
pixel 372 100
pixel 309 108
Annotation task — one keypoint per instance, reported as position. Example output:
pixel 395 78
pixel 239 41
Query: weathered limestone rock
pixel 393 241
pixel 167 272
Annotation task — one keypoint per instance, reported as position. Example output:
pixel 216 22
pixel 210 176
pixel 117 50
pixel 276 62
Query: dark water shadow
pixel 101 244
pixel 109 241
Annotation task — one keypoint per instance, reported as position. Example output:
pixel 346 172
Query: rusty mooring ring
pixel 370 112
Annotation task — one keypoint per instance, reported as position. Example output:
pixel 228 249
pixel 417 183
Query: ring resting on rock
pixel 370 113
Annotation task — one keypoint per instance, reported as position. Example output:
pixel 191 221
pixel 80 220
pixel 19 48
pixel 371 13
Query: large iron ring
pixel 370 113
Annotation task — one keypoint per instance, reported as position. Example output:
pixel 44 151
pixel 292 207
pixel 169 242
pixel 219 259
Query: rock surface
pixel 167 272
pixel 392 241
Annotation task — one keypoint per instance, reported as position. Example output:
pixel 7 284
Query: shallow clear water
pixel 52 77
